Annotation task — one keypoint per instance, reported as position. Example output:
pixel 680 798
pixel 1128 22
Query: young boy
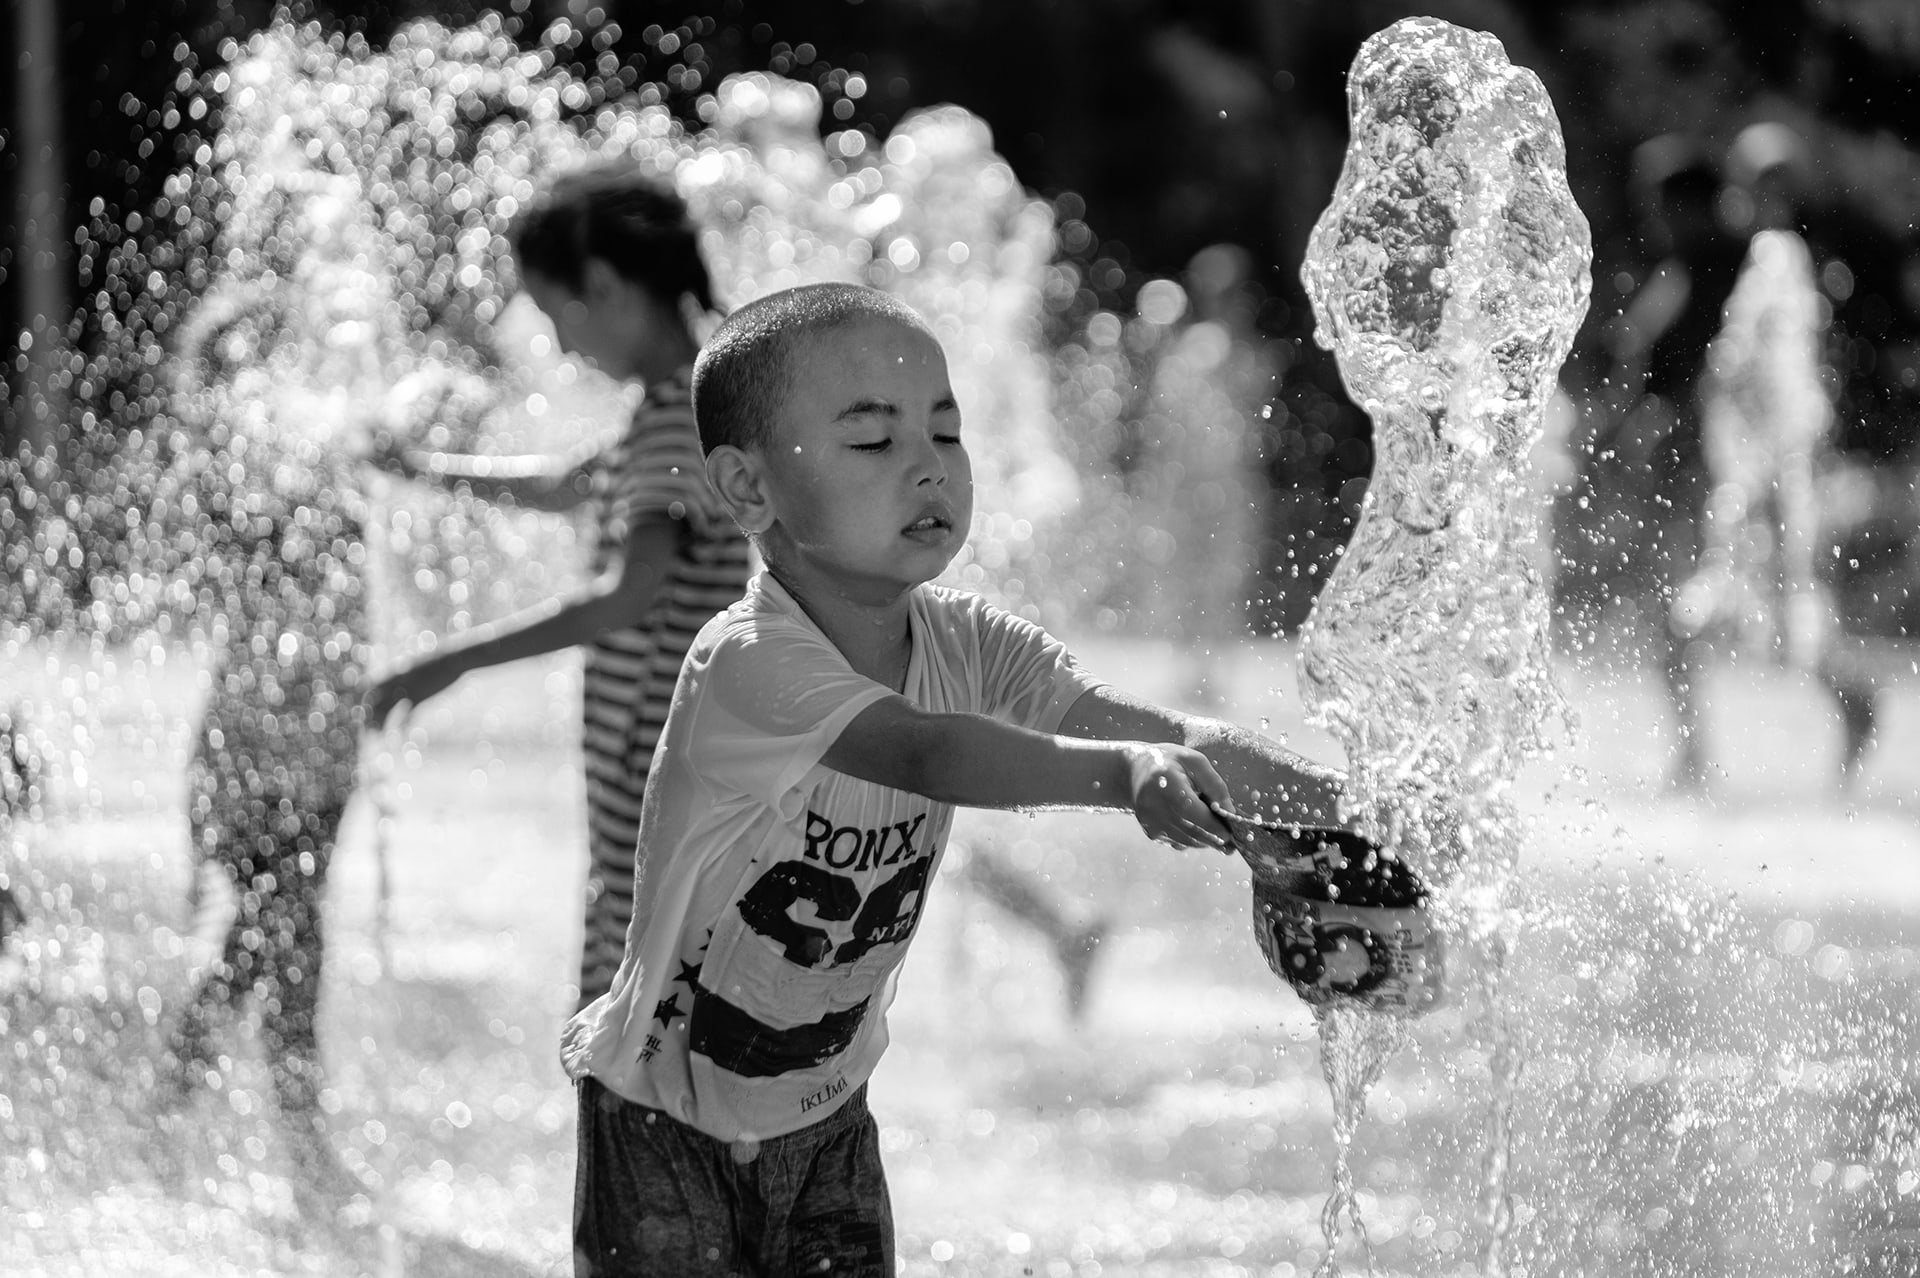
pixel 822 732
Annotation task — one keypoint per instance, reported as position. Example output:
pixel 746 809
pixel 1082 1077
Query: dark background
pixel 1160 126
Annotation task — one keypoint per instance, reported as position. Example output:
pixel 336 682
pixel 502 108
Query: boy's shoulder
pixel 957 602
pixel 762 610
pixel 952 615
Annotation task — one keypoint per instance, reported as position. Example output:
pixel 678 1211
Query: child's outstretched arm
pixel 535 481
pixel 1263 777
pixel 621 597
pixel 977 761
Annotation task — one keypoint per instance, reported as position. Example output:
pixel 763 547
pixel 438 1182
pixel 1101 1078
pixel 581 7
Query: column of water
pixel 1448 275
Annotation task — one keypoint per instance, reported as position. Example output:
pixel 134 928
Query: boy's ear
pixel 736 475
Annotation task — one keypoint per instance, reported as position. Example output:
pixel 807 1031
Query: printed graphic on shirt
pixel 884 915
pixel 681 992
pixel 739 1044
pixel 852 890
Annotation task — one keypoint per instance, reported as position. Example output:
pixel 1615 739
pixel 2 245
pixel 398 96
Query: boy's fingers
pixel 1208 783
pixel 1215 803
pixel 1182 831
pixel 1203 828
pixel 1211 789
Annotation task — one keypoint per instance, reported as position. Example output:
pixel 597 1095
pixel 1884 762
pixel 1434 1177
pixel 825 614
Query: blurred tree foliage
pixel 1158 127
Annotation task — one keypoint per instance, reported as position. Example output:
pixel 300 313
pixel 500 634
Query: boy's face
pixel 869 487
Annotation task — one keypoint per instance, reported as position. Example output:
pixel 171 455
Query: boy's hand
pixel 1173 791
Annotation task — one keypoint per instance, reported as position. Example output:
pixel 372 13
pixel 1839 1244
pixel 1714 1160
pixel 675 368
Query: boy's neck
pixel 876 638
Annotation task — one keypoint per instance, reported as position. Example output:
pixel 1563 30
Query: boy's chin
pixel 938 563
pixel 929 568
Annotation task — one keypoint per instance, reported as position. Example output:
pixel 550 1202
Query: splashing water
pixel 1449 274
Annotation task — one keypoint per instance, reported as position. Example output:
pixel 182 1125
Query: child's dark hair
pixel 744 368
pixel 615 211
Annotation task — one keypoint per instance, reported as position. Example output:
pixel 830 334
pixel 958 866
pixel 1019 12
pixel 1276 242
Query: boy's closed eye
pixel 888 412
pixel 881 445
pixel 857 412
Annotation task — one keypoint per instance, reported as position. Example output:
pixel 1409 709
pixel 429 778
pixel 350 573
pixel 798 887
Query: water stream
pixel 1448 274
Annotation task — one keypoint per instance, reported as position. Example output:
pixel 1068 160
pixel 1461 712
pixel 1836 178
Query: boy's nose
pixel 929 467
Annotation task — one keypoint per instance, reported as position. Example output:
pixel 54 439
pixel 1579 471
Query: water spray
pixel 1448 275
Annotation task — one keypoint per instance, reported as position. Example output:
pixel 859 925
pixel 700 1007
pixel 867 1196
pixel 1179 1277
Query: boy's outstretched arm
pixel 1264 778
pixel 976 761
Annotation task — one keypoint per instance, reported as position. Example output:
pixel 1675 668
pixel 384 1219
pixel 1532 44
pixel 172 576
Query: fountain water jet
pixel 1448 274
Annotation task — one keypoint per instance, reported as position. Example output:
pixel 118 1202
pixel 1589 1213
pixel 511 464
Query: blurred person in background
pixel 1658 346
pixel 1849 614
pixel 612 257
pixel 1766 422
pixel 1868 274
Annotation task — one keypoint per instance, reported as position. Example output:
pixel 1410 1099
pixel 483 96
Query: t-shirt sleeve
pixel 1028 677
pixel 664 476
pixel 777 697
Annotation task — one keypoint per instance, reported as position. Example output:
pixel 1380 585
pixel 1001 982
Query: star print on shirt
pixel 667 1010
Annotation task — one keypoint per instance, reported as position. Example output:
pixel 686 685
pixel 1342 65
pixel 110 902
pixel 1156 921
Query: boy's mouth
pixel 929 525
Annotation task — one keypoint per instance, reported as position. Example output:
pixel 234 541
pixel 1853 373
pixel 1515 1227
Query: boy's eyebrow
pixel 867 407
pixel 872 406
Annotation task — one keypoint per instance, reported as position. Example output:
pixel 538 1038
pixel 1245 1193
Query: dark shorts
pixel 653 1196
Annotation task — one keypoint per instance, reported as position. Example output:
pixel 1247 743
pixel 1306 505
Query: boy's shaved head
pixel 746 367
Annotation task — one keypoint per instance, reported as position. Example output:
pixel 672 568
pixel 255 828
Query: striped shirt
pixel 654 474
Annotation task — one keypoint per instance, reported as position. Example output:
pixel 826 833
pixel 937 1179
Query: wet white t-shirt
pixel 774 898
